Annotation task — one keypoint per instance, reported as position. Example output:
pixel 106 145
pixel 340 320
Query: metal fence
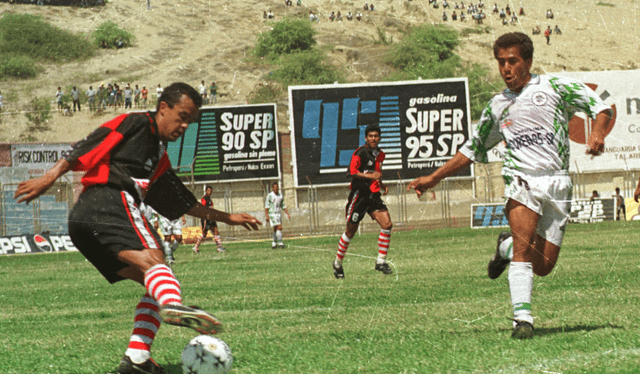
pixel 314 210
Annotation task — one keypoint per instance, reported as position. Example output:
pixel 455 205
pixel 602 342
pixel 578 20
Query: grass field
pixel 285 313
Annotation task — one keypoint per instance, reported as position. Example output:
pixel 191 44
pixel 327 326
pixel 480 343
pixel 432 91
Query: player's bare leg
pixel 523 222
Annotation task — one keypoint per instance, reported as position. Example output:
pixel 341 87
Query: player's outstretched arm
pixel 457 163
pixel 242 219
pixel 595 142
pixel 33 188
pixel 636 194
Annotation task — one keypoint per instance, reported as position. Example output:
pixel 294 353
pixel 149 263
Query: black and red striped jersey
pixel 365 160
pixel 126 153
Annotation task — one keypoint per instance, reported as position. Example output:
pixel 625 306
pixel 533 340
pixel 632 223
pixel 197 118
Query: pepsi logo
pixel 42 243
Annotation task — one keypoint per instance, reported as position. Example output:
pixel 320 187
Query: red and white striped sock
pixel 218 241
pixel 163 285
pixel 200 239
pixel 146 323
pixel 343 245
pixel 383 245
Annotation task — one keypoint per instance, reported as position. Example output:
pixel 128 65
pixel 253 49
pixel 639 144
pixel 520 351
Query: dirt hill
pixel 194 40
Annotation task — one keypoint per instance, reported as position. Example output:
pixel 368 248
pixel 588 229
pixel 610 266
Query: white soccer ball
pixel 206 355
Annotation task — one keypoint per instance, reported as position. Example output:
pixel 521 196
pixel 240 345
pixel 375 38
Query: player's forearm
pixel 599 126
pixel 208 214
pixel 58 170
pixel 451 167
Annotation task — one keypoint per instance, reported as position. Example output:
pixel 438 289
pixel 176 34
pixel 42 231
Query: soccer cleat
pixel 497 264
pixel 522 330
pixel 274 246
pixel 338 271
pixel 221 250
pixel 196 250
pixel 148 367
pixel 281 245
pixel 384 268
pixel 192 317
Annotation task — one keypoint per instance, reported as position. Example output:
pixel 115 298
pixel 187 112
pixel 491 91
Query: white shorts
pixel 171 227
pixel 275 219
pixel 546 193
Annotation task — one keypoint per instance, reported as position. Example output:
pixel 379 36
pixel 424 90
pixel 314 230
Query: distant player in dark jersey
pixel 126 163
pixel 366 188
pixel 208 225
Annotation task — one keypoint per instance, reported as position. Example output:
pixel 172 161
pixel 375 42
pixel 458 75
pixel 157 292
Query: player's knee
pixel 544 269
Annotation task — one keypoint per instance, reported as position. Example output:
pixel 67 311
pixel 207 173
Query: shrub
pixel 109 34
pixel 31 36
pixel 38 112
pixel 264 93
pixel 18 67
pixel 307 67
pixel 287 36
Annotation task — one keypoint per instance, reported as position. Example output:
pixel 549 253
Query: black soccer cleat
pixel 522 330
pixel 148 367
pixel 192 317
pixel 384 268
pixel 338 271
pixel 497 264
pixel 281 245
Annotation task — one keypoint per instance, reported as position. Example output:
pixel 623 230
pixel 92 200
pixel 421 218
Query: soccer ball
pixel 206 355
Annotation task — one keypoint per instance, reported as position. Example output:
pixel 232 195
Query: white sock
pixel 520 287
pixel 166 248
pixel 279 236
pixel 174 245
pixel 506 248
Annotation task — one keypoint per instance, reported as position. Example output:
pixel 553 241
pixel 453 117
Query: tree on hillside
pixel 287 36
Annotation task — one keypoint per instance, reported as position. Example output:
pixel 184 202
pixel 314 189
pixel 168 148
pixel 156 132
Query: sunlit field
pixel 286 313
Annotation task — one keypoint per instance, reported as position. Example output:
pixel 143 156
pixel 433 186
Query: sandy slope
pixel 194 40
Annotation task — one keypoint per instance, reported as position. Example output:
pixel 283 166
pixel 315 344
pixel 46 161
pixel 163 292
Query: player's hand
pixel 636 195
pixel 375 175
pixel 385 189
pixel 32 189
pixel 245 220
pixel 422 184
pixel 595 144
pixel 156 225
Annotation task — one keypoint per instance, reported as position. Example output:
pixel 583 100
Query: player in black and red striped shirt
pixel 126 163
pixel 207 226
pixel 365 170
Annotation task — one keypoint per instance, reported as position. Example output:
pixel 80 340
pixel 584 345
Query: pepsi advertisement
pixel 423 124
pixel 38 243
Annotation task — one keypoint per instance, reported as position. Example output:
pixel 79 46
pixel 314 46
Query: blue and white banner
pixel 423 125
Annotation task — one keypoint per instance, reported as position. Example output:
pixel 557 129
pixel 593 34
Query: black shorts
pixel 106 221
pixel 207 226
pixel 362 202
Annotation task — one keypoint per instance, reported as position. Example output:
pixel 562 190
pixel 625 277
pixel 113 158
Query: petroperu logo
pixel 580 127
pixel 42 243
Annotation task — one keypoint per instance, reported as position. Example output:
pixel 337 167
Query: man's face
pixel 173 122
pixel 372 139
pixel 515 70
pixel 275 188
pixel 208 192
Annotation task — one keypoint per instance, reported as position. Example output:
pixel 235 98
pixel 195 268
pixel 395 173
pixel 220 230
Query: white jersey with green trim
pixel 274 203
pixel 533 123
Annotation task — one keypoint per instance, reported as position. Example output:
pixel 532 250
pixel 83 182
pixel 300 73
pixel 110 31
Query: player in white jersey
pixel 273 207
pixel 157 221
pixel 532 117
pixel 172 232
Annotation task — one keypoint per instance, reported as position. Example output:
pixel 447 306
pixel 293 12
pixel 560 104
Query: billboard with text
pixel 423 125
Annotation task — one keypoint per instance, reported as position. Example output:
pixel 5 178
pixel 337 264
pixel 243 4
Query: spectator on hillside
pixel 521 11
pixel 202 90
pixel 508 10
pixel 594 195
pixel 479 17
pixel 264 15
pixel 462 17
pixel 359 16
pixel 514 19
pixel 549 14
pixel 159 91
pixel 435 4
pixel 299 2
pixel 213 92
pixel 621 208
pixel 59 97
pixel 75 96
pixel 462 5
pixel 91 98
pixel 445 4
pixel 503 14
pixel 313 17
pixel 128 96
pixel 495 8
pixel 371 8
pixel 454 16
pixel 536 31
pixel 547 34
pixel 270 15
pixel 556 30
pixel 338 17
pixel 144 95
pixel 444 16
pixel 101 95
pixel 480 4
pixel 349 16
pixel 1 104
pixel 366 6
pixel 119 98
pixel 136 97
pixel 332 16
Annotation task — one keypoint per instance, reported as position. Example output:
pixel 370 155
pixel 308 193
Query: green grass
pixel 439 313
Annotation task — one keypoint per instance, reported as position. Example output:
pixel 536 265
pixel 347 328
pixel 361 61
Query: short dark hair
pixel 517 39
pixel 208 188
pixel 274 184
pixel 173 94
pixel 370 128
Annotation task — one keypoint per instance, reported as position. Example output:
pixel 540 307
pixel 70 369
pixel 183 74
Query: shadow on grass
pixel 173 368
pixel 564 329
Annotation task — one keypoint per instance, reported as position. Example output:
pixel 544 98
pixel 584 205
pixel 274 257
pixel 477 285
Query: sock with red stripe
pixel 343 245
pixel 200 239
pixel 145 326
pixel 218 240
pixel 163 285
pixel 383 245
